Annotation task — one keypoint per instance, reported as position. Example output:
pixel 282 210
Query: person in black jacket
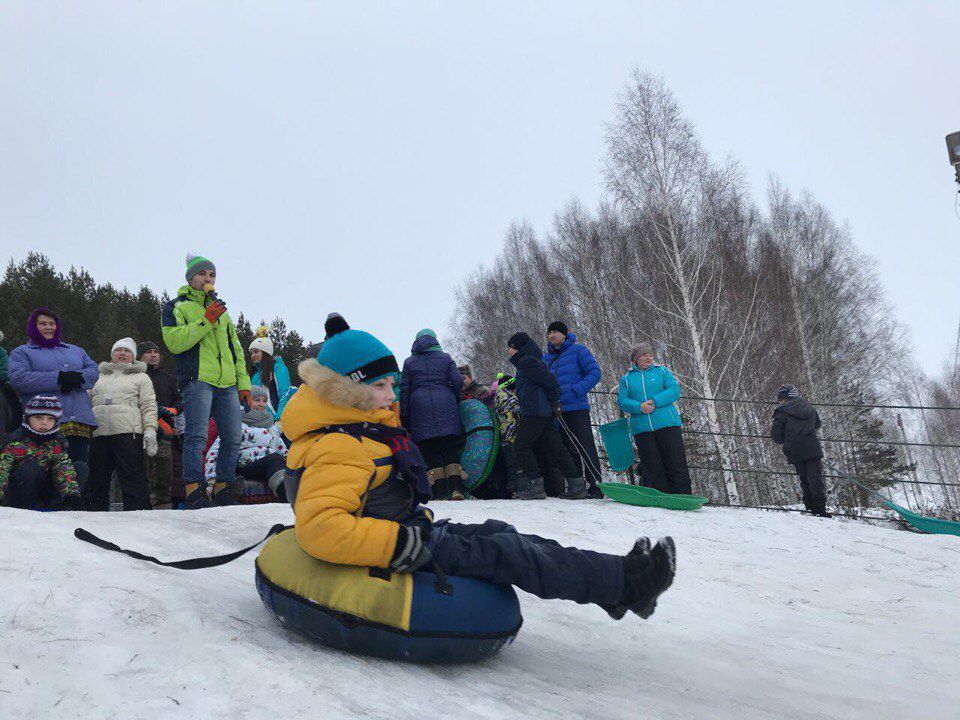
pixel 169 405
pixel 539 395
pixel 795 425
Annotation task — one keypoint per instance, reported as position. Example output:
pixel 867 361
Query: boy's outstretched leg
pixel 496 552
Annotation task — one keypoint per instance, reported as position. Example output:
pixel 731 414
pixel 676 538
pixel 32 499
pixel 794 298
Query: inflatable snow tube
pixel 397 616
pixel 481 443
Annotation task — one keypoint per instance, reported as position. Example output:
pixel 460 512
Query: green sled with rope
pixel 934 526
pixel 648 497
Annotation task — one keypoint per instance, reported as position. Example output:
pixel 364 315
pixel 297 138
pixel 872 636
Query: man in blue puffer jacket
pixel 577 373
pixel 648 393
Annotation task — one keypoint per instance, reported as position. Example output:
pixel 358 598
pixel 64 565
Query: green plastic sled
pixel 935 526
pixel 648 497
pixel 618 443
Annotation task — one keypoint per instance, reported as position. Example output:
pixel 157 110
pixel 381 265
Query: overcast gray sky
pixel 365 157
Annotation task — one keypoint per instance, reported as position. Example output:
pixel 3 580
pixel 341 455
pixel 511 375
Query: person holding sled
pixel 648 393
pixel 578 373
pixel 430 411
pixel 213 380
pixel 35 470
pixel 795 425
pixel 362 481
pixel 539 395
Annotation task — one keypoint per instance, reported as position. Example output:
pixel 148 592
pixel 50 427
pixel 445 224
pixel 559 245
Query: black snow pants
pixel 123 453
pixel 664 460
pixel 810 473
pixel 540 433
pixel 263 469
pixel 578 423
pixel 496 552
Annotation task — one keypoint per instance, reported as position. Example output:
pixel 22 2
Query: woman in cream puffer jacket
pixel 125 407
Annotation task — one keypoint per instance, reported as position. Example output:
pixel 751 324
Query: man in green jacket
pixel 213 380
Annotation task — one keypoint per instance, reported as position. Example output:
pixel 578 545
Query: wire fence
pixel 921 473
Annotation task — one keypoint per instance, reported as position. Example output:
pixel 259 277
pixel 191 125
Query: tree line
pixel 94 316
pixel 738 296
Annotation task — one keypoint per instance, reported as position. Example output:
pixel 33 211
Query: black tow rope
pixel 192 564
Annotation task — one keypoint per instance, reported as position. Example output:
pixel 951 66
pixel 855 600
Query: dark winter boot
pixel 223 494
pixel 576 489
pixel 196 497
pixel 529 487
pixel 647 573
pixel 454 475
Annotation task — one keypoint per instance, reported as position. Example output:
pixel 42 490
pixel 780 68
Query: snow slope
pixel 772 616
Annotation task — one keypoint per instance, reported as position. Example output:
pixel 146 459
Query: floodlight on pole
pixel 953 150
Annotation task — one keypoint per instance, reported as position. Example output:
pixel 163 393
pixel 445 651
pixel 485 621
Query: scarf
pixel 407 459
pixel 258 418
pixel 34 334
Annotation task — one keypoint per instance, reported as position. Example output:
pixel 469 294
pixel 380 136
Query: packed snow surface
pixel 772 615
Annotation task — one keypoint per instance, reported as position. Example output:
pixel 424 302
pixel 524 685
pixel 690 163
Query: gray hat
pixel 641 348
pixel 196 263
pixel 259 391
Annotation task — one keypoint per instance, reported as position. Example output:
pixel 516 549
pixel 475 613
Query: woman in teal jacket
pixel 648 393
pixel 270 372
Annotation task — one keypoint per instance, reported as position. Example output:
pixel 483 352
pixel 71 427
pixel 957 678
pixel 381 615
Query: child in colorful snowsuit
pixel 362 482
pixel 508 415
pixel 262 451
pixel 35 471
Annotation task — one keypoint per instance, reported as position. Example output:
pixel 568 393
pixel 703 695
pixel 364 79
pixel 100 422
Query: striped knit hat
pixel 43 405
pixel 196 263
pixel 787 392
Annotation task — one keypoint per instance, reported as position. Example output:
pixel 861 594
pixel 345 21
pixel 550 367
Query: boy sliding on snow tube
pixel 362 481
pixel 35 472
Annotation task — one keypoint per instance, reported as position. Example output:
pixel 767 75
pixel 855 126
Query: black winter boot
pixel 196 497
pixel 529 487
pixel 576 489
pixel 647 573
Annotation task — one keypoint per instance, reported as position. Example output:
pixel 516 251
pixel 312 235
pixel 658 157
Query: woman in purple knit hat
pixel 45 365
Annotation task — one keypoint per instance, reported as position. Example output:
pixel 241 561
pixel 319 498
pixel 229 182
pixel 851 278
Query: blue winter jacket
pixel 280 393
pixel 34 371
pixel 429 390
pixel 577 372
pixel 537 388
pixel 655 383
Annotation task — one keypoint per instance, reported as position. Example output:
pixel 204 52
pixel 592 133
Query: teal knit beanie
pixel 358 355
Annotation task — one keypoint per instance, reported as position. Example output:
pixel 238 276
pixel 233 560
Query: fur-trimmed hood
pixel 109 368
pixel 328 398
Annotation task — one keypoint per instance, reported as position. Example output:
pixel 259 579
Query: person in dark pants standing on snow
pixel 795 425
pixel 648 393
pixel 539 395
pixel 577 373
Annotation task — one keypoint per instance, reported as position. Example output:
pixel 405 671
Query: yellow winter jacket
pixel 338 469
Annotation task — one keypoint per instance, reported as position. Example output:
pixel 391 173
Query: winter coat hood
pixel 795 425
pixel 131 368
pixel 537 388
pixel 798 408
pixel 35 335
pixel 576 370
pixel 425 344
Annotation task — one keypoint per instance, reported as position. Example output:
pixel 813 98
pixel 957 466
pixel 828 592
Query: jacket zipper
pixel 644 382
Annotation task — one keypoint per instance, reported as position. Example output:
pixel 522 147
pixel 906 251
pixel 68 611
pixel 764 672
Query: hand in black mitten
pixel 69 380
pixel 412 552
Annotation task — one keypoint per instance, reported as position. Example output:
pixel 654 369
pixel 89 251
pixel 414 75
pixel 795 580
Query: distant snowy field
pixel 772 615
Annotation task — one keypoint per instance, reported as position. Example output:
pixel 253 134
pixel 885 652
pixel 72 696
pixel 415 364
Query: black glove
pixel 69 380
pixel 412 552
pixel 73 502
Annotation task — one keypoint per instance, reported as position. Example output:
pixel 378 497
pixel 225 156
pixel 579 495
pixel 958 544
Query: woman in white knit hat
pixel 125 406
pixel 269 371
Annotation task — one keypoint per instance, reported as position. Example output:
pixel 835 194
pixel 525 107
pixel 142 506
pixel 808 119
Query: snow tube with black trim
pixel 398 616
pixel 481 442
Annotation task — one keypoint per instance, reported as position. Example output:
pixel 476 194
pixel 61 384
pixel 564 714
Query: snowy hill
pixel 771 616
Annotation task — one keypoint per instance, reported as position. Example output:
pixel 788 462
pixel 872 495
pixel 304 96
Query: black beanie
pixel 146 346
pixel 518 340
pixel 559 327
pixel 334 324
